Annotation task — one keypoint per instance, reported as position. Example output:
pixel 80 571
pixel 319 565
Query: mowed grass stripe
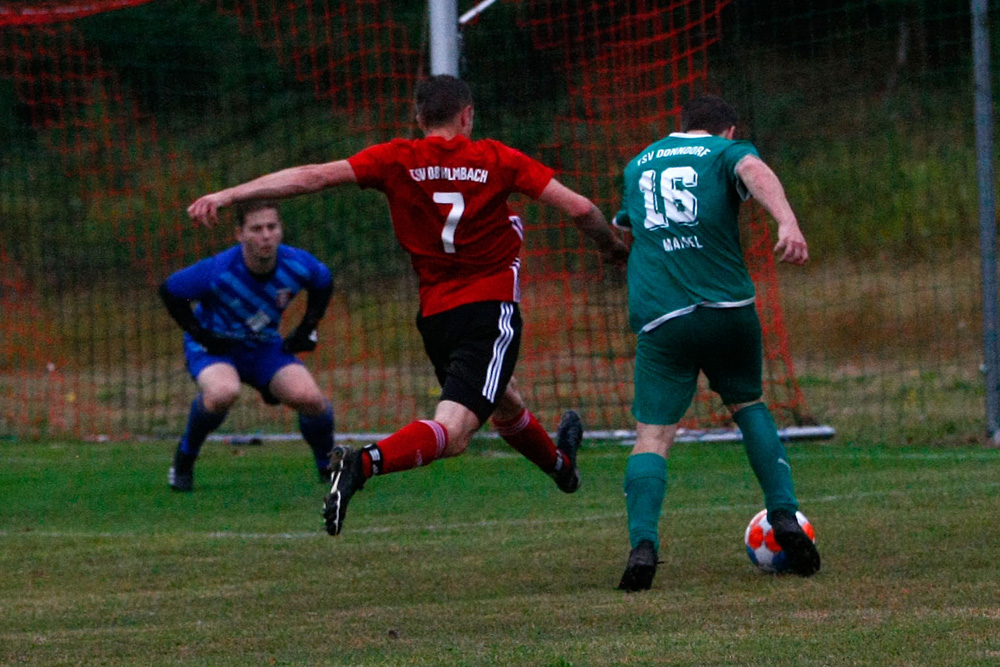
pixel 480 560
pixel 968 487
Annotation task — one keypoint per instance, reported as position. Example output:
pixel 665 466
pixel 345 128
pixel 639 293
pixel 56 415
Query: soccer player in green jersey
pixel 691 304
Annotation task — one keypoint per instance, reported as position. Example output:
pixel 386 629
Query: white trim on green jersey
pixel 690 309
pixel 681 198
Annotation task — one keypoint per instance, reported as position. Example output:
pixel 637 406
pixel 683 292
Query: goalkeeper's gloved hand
pixel 213 343
pixel 300 340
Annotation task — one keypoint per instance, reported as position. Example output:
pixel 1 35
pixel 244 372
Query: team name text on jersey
pixel 697 151
pixel 439 173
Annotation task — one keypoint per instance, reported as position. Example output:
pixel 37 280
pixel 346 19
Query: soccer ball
pixel 762 548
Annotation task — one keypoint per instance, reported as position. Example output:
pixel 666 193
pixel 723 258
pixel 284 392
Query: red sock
pixel 412 446
pixel 527 436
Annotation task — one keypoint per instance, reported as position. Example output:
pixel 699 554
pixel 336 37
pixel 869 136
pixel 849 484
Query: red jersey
pixel 448 202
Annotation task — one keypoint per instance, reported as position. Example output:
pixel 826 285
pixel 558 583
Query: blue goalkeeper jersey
pixel 237 304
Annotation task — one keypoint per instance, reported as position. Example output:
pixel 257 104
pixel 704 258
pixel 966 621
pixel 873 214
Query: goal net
pixel 118 113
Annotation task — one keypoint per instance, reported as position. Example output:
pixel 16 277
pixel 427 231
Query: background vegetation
pixel 867 105
pixel 863 108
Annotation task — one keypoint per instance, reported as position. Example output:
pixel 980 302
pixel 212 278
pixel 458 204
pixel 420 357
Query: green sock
pixel 767 457
pixel 645 486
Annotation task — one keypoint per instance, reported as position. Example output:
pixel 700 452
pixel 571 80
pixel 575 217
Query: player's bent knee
pixel 460 422
pixel 456 446
pixel 459 438
pixel 736 407
pixel 508 410
pixel 307 403
pixel 220 399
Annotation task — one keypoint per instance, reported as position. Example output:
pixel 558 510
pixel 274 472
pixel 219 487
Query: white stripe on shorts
pixel 516 269
pixel 500 346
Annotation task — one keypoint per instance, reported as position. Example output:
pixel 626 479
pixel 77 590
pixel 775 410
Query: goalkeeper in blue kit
pixel 691 304
pixel 231 334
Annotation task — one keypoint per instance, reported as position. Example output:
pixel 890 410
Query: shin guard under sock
pixel 767 455
pixel 527 436
pixel 645 487
pixel 317 431
pixel 414 445
pixel 200 424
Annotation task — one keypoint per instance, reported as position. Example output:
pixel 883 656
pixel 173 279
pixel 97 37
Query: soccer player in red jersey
pixel 448 198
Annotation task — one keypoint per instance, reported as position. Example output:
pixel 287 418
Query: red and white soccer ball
pixel 762 548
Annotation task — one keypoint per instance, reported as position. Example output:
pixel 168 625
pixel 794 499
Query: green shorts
pixel 725 343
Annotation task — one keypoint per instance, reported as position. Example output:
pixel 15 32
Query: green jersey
pixel 681 198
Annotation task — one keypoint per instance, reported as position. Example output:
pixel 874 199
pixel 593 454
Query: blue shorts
pixel 256 364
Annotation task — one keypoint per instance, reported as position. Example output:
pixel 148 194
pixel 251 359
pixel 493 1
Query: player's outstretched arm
pixel 764 185
pixel 588 219
pixel 304 337
pixel 180 310
pixel 282 184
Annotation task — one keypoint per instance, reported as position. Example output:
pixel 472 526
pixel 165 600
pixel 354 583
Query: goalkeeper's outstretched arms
pixel 304 179
pixel 304 337
pixel 180 310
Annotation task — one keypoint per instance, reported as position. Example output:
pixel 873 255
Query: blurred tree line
pixel 851 68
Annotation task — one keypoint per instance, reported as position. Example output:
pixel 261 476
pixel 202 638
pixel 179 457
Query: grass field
pixel 480 560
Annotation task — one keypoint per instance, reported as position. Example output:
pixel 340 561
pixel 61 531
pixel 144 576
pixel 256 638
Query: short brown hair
pixel 710 113
pixel 440 98
pixel 245 208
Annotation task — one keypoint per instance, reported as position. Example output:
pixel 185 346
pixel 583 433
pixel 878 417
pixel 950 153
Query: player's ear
pixel 730 133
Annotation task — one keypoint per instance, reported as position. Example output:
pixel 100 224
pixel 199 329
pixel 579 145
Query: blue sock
pixel 200 423
pixel 317 430
pixel 645 487
pixel 767 455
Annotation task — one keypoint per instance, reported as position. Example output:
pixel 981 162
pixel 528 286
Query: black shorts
pixel 474 350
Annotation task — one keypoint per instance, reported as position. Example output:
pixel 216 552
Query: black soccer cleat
pixel 641 568
pixel 803 558
pixel 181 475
pixel 348 478
pixel 180 481
pixel 325 474
pixel 568 438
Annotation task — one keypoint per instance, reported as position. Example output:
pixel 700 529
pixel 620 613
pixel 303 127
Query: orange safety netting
pixel 74 364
